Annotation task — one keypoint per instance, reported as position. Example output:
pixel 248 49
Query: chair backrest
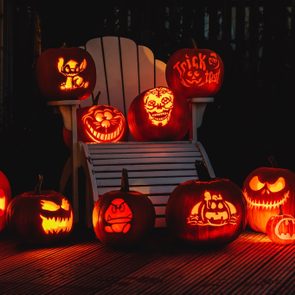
pixel 124 70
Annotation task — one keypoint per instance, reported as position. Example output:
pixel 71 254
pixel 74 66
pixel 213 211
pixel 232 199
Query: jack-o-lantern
pixel 265 190
pixel 281 228
pixel 5 197
pixel 65 73
pixel 100 123
pixel 206 211
pixel 158 114
pixel 195 72
pixel 40 216
pixel 123 218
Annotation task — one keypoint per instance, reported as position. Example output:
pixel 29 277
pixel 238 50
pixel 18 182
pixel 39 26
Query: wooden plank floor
pixel 249 265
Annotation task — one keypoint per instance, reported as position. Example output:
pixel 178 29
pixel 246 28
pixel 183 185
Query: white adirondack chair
pixel 125 69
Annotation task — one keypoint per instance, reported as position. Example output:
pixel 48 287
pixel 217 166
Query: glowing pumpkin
pixel 265 190
pixel 5 197
pixel 281 228
pixel 100 123
pixel 158 114
pixel 65 73
pixel 195 72
pixel 206 211
pixel 123 218
pixel 40 216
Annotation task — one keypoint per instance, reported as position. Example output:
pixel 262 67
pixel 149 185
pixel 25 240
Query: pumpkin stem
pixel 194 43
pixel 39 184
pixel 124 181
pixel 272 161
pixel 95 99
pixel 202 171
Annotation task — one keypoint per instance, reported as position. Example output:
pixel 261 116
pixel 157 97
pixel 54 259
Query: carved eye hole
pixel 151 103
pixel 213 205
pixel 277 186
pixel 49 206
pixel 98 116
pixel 255 184
pixel 220 205
pixel 108 115
pixel 65 205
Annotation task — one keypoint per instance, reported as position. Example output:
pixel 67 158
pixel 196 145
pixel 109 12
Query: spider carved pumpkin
pixel 195 72
pixel 206 211
pixel 100 123
pixel 265 190
pixel 40 216
pixel 158 114
pixel 123 218
pixel 65 73
pixel 5 197
pixel 281 228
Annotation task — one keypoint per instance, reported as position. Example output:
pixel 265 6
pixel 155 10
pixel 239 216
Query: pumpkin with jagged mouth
pixel 101 123
pixel 265 190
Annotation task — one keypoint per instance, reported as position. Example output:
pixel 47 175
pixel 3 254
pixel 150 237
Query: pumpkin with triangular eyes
pixel 40 216
pixel 265 190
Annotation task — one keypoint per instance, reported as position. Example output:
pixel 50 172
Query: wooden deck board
pixel 249 265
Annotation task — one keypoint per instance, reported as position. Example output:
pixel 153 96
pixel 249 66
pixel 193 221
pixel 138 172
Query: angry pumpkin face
pixel 100 123
pixel 265 190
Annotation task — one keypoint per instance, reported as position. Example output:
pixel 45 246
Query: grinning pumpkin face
pixel 5 197
pixel 194 72
pixel 158 114
pixel 206 212
pixel 100 123
pixel 265 190
pixel 43 217
pixel 118 217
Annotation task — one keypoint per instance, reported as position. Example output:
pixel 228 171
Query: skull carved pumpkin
pixel 265 190
pixel 281 228
pixel 158 114
pixel 5 197
pixel 65 73
pixel 40 216
pixel 206 211
pixel 123 218
pixel 194 72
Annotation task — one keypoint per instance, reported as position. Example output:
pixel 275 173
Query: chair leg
pixel 66 174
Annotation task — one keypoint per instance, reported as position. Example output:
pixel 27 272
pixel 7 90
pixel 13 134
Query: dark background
pixel 253 113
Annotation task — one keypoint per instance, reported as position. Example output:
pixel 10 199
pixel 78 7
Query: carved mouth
pixel 98 136
pixel 117 220
pixel 160 116
pixel 55 225
pixel 271 204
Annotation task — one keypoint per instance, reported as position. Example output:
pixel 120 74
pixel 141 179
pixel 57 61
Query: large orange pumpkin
pixel 65 73
pixel 206 211
pixel 5 197
pixel 40 216
pixel 158 114
pixel 265 190
pixel 195 72
pixel 123 218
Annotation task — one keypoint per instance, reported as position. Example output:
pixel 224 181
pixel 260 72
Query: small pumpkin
pixel 123 218
pixel 195 72
pixel 206 211
pixel 158 114
pixel 5 197
pixel 281 228
pixel 40 216
pixel 65 73
pixel 265 190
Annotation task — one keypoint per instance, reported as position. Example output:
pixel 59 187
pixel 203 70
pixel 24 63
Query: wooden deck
pixel 249 265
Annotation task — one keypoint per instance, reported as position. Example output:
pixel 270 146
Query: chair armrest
pixel 198 108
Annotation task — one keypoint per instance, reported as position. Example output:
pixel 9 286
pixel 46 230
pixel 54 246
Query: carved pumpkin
pixel 195 72
pixel 5 197
pixel 206 211
pixel 158 114
pixel 123 218
pixel 65 73
pixel 265 190
pixel 40 216
pixel 100 123
pixel 281 228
